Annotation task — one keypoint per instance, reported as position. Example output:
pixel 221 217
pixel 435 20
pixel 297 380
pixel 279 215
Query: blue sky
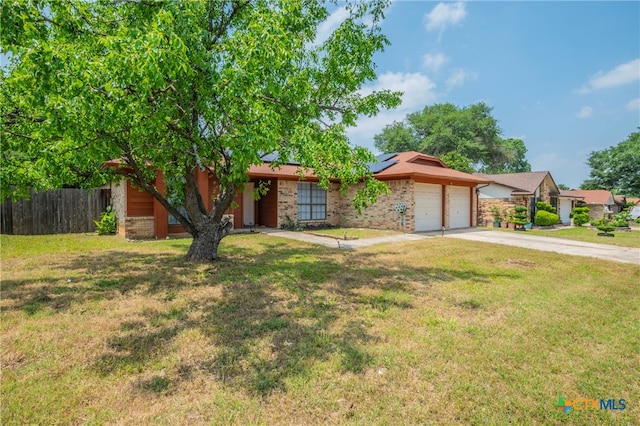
pixel 562 76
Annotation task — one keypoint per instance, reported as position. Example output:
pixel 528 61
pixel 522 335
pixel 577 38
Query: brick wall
pixel 505 205
pixel 382 214
pixel 596 211
pixel 138 227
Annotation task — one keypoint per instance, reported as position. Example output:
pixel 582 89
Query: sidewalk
pixel 348 244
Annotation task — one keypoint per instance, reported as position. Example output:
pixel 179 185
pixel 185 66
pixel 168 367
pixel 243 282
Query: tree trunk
pixel 206 240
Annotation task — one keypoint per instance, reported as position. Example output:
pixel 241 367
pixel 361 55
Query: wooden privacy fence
pixel 58 211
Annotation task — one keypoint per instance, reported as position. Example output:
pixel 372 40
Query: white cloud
pixel 585 112
pixel 459 77
pixel 434 62
pixel 620 75
pixel 418 91
pixel 445 14
pixel 327 28
pixel 634 104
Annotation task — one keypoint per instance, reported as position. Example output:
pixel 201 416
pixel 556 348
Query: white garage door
pixel 459 207
pixel 565 210
pixel 428 207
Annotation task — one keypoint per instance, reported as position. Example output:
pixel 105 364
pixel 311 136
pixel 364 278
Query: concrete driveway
pixel 558 245
pixel 518 239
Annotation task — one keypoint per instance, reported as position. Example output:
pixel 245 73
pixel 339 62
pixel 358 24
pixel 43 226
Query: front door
pixel 248 209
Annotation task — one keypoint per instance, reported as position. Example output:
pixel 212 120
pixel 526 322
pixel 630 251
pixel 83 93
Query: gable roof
pixel 415 165
pixel 569 194
pixel 525 183
pixel 595 196
pixel 402 165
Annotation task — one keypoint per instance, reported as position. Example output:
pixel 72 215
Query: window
pixel 312 202
pixel 173 220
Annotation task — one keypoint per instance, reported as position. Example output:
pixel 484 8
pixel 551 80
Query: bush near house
pixel 546 214
pixel 544 218
pixel 580 215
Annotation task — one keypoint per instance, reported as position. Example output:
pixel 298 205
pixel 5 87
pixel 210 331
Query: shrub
pixel 604 225
pixel 580 215
pixel 108 223
pixel 621 219
pixel 545 218
pixel 541 205
pixel 520 216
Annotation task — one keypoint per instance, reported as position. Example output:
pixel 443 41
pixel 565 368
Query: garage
pixel 459 207
pixel 428 202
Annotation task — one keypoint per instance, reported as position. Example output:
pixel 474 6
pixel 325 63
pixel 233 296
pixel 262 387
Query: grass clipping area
pixel 96 330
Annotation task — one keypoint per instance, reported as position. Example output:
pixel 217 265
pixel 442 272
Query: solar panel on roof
pixel 273 156
pixel 385 157
pixel 380 166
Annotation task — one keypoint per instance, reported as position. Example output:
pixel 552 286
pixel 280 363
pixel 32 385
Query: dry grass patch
pixel 439 331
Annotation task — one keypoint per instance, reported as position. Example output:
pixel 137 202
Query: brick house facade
pixel 454 203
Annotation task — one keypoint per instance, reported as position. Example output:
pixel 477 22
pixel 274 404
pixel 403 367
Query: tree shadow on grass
pixel 276 315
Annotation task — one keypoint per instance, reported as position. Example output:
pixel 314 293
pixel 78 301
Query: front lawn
pixel 353 233
pixel 583 233
pixel 96 330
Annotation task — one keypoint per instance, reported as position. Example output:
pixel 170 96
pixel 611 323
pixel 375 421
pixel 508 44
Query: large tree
pixel 616 168
pixel 178 86
pixel 468 137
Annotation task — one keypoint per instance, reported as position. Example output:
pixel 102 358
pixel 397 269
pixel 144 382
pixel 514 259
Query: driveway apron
pixel 558 245
pixel 518 239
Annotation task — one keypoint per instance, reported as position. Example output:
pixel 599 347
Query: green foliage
pixel 621 220
pixel 541 205
pixel 519 217
pixel 545 218
pixel 185 86
pixel 289 225
pixel 466 139
pixel 458 161
pixel 604 225
pixel 580 215
pixel 563 187
pixel 616 168
pixel 108 223
pixel 497 216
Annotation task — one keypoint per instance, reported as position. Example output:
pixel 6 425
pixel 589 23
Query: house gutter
pixel 478 188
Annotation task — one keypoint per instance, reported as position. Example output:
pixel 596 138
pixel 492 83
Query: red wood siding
pixel 268 206
pixel 139 203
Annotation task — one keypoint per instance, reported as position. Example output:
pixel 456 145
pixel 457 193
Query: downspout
pixel 478 202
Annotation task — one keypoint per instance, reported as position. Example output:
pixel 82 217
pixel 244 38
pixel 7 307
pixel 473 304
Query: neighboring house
pixel 600 202
pixel 634 201
pixel 566 202
pixel 521 189
pixel 621 203
pixel 432 194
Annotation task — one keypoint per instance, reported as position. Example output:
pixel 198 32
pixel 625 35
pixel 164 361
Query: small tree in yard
pixel 519 218
pixel 178 86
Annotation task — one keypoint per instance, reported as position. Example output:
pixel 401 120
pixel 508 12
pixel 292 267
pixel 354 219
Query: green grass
pixel 622 238
pixel 354 233
pixel 95 330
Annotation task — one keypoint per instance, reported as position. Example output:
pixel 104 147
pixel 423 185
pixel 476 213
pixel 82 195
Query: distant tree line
pixel 465 138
